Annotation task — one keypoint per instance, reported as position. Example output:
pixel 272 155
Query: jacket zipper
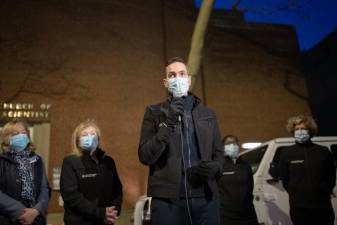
pixel 307 165
pixel 188 146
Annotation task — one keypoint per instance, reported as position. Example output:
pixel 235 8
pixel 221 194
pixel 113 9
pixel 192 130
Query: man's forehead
pixel 176 67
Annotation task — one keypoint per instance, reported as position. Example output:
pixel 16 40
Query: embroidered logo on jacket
pixel 296 161
pixel 228 173
pixel 89 175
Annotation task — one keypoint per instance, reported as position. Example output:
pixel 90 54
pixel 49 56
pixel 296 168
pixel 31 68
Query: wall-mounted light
pixel 250 145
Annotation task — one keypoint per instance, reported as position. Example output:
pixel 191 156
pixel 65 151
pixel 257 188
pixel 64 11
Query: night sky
pixel 313 19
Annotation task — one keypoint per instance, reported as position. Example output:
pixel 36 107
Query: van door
pixel 254 158
pixel 276 198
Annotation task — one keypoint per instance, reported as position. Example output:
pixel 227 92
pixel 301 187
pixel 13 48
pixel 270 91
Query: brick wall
pixel 104 60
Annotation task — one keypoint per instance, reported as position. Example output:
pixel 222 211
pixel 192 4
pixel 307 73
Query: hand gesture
pixel 110 215
pixel 28 216
pixel 176 109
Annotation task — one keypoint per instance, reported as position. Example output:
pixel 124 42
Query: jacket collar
pixel 99 153
pixel 229 160
pixel 305 144
pixel 170 98
pixel 7 156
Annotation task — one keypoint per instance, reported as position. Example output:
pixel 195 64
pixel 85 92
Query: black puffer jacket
pixel 11 203
pixel 165 159
pixel 87 188
pixel 236 193
pixel 308 173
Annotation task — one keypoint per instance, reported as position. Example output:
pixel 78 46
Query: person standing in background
pixel 236 185
pixel 308 174
pixel 90 186
pixel 24 192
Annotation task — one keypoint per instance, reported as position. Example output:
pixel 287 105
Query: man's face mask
pixel 301 135
pixel 178 86
pixel 18 142
pixel 89 142
pixel 232 150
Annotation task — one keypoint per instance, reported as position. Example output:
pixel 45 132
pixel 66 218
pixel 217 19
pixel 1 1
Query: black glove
pixel 206 170
pixel 175 110
pixel 193 177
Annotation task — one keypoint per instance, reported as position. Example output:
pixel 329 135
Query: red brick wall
pixel 104 60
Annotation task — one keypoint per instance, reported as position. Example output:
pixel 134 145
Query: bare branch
pixel 297 6
pixel 235 5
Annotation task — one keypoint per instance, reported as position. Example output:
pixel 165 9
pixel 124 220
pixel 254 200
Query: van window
pixel 254 157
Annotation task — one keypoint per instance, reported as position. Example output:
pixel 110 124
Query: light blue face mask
pixel 178 86
pixel 18 142
pixel 89 142
pixel 301 135
pixel 232 150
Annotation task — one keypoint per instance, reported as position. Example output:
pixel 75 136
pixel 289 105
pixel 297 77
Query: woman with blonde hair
pixel 90 186
pixel 24 193
pixel 308 174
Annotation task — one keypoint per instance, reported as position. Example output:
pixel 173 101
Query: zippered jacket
pixel 164 155
pixel 11 202
pixel 308 173
pixel 88 187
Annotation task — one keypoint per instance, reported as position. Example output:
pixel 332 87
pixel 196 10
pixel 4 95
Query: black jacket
pixel 165 159
pixel 308 174
pixel 236 193
pixel 87 188
pixel 11 203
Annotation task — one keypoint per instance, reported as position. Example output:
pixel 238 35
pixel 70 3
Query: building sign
pixel 26 111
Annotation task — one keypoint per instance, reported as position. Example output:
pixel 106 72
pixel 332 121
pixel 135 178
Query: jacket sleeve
pixel 250 179
pixel 117 190
pixel 330 171
pixel 284 170
pixel 43 199
pixel 73 199
pixel 153 141
pixel 10 207
pixel 218 155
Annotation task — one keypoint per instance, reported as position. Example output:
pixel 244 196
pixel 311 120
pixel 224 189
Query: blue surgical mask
pixel 18 142
pixel 89 142
pixel 301 135
pixel 232 150
pixel 178 86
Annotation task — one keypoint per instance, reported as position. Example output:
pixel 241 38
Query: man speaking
pixel 180 142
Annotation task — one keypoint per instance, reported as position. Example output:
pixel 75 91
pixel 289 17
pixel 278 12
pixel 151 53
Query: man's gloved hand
pixel 206 170
pixel 175 109
pixel 193 177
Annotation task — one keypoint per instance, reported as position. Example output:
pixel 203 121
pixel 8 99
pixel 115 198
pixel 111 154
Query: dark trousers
pixel 175 212
pixel 318 216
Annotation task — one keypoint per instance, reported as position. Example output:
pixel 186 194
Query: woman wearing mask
pixel 308 174
pixel 90 186
pixel 24 193
pixel 236 187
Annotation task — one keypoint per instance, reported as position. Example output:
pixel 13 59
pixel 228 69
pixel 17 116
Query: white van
pixel 270 198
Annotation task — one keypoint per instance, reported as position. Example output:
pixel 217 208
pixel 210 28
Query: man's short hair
pixel 173 60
